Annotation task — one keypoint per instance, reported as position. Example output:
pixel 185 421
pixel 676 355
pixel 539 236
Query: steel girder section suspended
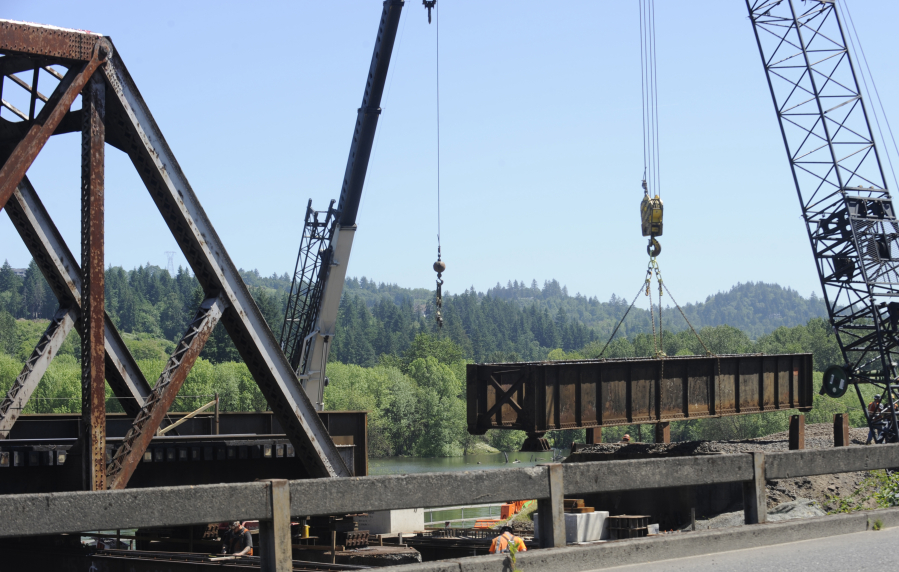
pixel 847 208
pixel 130 127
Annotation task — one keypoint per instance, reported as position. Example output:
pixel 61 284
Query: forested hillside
pixel 397 365
pixel 512 322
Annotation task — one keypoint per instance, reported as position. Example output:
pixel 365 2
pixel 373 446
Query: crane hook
pixel 429 4
pixel 651 210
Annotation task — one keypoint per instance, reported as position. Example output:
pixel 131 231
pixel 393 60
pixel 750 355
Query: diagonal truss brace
pixel 131 128
pixel 139 136
pixel 56 109
pixel 138 438
pixel 25 384
pixel 63 274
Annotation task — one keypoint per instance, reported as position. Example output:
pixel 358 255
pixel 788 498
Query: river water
pixel 408 465
pixel 457 516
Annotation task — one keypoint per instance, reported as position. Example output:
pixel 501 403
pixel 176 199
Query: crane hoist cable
pixel 651 208
pixel 439 266
pixel 645 286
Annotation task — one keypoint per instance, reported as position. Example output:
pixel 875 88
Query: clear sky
pixel 541 148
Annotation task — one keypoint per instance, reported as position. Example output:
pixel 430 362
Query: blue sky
pixel 541 148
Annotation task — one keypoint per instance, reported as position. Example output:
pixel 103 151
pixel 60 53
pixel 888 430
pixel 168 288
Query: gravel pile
pixel 817 436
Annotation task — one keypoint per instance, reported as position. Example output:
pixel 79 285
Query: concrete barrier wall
pixel 642 550
pixel 52 513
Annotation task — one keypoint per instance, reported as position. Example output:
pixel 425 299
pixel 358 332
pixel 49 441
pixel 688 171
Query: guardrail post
pixel 797 432
pixel 594 436
pixel 274 534
pixel 755 495
pixel 841 430
pixel 663 432
pixel 551 511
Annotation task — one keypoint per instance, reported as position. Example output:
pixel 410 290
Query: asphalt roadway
pixel 862 551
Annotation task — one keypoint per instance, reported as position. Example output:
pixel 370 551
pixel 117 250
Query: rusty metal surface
pixel 542 396
pixel 16 399
pixel 93 366
pixel 38 39
pixel 140 136
pixel 48 119
pixel 131 128
pixel 166 389
pixel 63 274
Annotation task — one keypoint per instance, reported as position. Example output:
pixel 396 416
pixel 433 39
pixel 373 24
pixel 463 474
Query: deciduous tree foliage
pixel 388 357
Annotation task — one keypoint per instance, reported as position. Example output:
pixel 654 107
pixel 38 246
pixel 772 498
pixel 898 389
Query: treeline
pixel 507 323
pixel 390 359
pixel 754 307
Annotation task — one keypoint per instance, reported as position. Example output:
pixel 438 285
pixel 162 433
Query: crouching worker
pixel 237 541
pixel 500 544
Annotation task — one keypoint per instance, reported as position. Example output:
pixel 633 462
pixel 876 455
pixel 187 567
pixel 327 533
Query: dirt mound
pixel 831 492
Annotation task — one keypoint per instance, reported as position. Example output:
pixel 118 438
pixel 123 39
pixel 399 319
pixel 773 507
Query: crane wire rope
pixel 875 100
pixel 437 26
pixel 649 92
pixel 655 97
pixel 615 331
pixel 439 266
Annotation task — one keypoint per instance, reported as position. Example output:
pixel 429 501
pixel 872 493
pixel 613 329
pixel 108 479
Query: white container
pixel 586 527
pixel 393 521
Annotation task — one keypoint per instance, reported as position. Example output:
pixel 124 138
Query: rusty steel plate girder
pixel 543 396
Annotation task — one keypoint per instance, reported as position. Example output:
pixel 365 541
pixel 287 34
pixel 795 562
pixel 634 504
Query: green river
pixel 459 517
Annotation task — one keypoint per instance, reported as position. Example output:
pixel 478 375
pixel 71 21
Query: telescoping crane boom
pixel 842 189
pixel 309 322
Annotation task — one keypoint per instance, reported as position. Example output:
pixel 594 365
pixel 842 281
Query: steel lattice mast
pixel 839 178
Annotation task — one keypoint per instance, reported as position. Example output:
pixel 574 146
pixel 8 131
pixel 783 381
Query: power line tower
pixel 170 265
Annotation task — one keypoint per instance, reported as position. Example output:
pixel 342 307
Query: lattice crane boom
pixel 836 168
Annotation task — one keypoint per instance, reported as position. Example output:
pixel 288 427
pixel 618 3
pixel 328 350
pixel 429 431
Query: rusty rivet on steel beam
pixel 103 50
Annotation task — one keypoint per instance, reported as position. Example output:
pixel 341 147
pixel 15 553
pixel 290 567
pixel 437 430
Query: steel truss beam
pixel 63 274
pixel 46 122
pixel 17 397
pixel 131 127
pixel 125 460
pixel 849 214
pixel 93 376
pixel 199 242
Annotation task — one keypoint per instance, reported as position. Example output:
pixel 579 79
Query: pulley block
pixel 835 383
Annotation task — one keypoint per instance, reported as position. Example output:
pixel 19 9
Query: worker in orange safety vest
pixel 237 541
pixel 500 544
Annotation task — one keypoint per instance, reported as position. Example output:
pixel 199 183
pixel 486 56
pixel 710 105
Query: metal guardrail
pixel 54 513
